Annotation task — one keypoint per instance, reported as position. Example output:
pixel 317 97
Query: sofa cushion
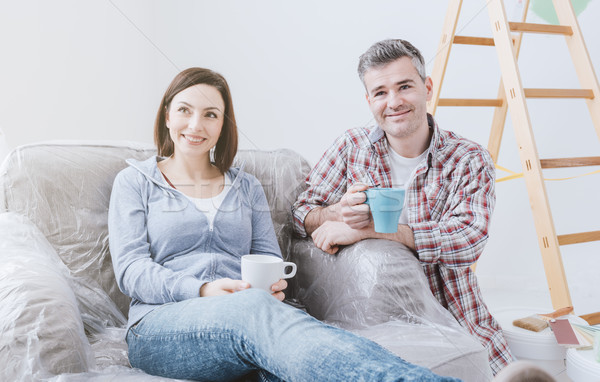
pixel 41 332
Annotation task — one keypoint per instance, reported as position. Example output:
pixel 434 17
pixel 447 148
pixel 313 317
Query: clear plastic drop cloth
pixel 114 373
pixel 62 316
pixel 377 289
pixel 41 331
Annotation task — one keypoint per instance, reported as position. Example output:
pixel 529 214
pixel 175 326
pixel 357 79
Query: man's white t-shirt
pixel 402 171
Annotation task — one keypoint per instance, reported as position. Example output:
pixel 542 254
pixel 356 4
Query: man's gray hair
pixel 383 52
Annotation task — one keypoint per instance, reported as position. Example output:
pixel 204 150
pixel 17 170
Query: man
pixel 449 184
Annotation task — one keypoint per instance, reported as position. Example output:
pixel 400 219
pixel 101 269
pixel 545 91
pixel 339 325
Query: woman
pixel 179 224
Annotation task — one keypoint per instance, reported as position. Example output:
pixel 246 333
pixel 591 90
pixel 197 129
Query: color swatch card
pixel 563 331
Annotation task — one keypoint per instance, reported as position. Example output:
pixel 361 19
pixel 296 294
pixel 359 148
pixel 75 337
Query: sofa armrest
pixel 42 331
pixel 368 283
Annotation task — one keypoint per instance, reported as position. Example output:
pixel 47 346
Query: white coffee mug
pixel 262 271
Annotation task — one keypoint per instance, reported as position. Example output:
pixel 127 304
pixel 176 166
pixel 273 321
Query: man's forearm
pixel 319 215
pixel 404 235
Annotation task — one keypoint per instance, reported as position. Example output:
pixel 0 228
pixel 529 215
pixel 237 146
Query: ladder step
pixel 468 40
pixel 541 28
pixel 469 102
pixel 570 162
pixel 575 238
pixel 559 93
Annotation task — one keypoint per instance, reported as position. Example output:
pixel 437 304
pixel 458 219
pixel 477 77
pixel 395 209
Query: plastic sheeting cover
pixel 377 289
pixel 41 329
pixel 60 265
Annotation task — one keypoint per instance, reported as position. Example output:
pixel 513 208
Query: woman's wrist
pixel 202 289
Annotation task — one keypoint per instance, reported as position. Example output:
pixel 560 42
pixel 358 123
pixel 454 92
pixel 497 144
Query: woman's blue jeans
pixel 227 337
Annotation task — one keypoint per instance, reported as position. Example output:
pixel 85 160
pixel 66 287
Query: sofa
pixel 62 315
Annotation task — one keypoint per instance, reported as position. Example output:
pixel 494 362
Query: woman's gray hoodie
pixel 163 249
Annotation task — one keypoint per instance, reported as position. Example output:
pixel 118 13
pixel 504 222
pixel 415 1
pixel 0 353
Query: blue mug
pixel 386 206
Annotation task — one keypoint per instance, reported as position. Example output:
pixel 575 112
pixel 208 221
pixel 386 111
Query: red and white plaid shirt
pixel 449 202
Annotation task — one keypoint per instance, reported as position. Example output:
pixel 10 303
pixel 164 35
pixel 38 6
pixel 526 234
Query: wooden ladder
pixel 512 95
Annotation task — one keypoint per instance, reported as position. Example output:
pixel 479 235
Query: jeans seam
pixel 262 377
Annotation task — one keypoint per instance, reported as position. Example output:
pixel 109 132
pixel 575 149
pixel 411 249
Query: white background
pixel 97 69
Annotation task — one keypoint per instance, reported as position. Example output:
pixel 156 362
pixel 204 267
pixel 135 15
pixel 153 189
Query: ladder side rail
pixel 581 58
pixel 443 53
pixel 499 119
pixel 544 224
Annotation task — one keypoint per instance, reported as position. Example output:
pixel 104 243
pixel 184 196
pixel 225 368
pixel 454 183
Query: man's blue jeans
pixel 227 337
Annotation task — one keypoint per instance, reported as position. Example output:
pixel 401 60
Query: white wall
pixel 97 70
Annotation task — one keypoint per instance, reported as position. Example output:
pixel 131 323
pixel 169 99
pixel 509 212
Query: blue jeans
pixel 229 337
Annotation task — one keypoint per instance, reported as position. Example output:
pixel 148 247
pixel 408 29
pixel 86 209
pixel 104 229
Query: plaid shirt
pixel 449 202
